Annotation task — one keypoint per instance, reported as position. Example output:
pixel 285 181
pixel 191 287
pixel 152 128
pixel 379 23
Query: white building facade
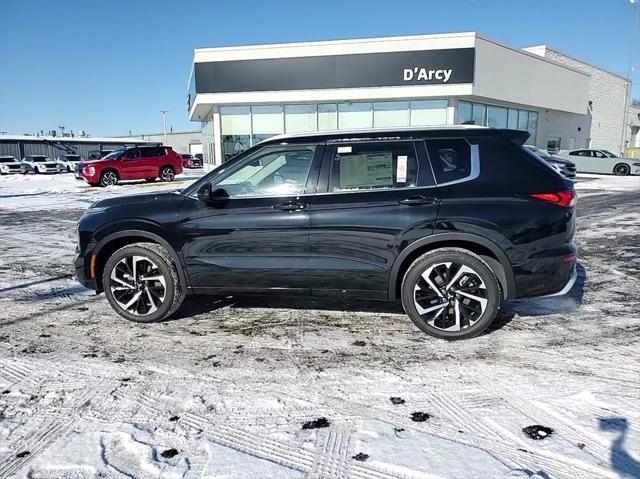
pixel 243 95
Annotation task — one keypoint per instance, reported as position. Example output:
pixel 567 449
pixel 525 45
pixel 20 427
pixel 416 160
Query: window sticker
pixel 401 169
pixel 344 149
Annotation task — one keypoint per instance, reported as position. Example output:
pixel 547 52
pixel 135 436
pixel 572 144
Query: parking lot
pixel 298 388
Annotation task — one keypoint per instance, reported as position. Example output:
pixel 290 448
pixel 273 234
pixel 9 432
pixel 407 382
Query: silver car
pixel 601 161
pixel 68 161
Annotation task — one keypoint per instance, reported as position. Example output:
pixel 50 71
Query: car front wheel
pixel 108 178
pixel 141 283
pixel 451 293
pixel 621 169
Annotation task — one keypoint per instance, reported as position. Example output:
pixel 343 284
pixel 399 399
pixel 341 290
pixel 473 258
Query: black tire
pixel 622 169
pixel 167 173
pixel 108 177
pixel 452 298
pixel 173 294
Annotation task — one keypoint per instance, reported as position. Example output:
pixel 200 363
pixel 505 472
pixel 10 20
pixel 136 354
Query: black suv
pixel 450 221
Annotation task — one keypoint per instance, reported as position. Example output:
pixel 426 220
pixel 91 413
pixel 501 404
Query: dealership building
pixel 242 95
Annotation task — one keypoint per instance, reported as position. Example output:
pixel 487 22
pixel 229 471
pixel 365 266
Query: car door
pixel 602 163
pixel 583 160
pixel 372 196
pixel 131 166
pixel 258 241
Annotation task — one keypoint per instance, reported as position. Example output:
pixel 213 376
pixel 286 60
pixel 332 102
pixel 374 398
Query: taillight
pixel 561 198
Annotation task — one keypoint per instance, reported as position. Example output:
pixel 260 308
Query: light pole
pixel 164 124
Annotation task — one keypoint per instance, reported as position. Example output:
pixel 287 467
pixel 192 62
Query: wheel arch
pixel 490 252
pixel 111 243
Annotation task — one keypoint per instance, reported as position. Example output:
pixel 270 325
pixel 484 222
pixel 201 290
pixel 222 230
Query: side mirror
pixel 218 198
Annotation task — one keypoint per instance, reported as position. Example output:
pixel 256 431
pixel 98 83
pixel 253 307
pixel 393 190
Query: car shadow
pixel 621 461
pixel 196 305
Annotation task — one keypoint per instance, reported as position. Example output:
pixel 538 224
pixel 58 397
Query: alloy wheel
pixel 109 178
pixel 450 296
pixel 621 170
pixel 137 285
pixel 167 174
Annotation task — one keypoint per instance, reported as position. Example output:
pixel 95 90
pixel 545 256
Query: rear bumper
pixel 567 287
pixel 548 273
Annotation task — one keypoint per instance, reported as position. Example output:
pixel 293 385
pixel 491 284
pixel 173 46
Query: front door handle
pixel 418 200
pixel 290 206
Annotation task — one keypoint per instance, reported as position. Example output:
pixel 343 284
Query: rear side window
pixel 149 152
pixel 374 165
pixel 450 159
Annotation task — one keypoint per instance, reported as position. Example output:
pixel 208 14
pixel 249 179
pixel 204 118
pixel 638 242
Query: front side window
pixel 370 166
pixel 271 171
pixel 450 159
pixel 132 154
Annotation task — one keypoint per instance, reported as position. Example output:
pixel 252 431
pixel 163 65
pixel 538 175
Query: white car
pixel 41 164
pixel 69 161
pixel 601 161
pixel 9 165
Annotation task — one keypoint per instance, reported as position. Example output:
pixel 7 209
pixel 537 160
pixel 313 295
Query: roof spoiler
pixel 516 136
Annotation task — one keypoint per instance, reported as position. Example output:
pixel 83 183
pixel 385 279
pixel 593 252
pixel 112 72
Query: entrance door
pixel 259 240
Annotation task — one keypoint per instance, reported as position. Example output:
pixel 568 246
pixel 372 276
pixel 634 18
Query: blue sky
pixel 110 66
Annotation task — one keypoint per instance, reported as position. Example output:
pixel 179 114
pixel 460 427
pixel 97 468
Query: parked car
pixel 190 161
pixel 41 164
pixel 601 161
pixel 9 165
pixel 565 167
pixel 449 221
pixel 137 163
pixel 69 161
pixel 97 154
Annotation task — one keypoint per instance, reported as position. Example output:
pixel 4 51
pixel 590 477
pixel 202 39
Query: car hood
pixel 129 200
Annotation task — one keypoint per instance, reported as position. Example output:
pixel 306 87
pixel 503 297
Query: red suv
pixel 138 163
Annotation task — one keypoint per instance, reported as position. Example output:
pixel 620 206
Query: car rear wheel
pixel 621 169
pixel 451 293
pixel 167 173
pixel 108 178
pixel 141 283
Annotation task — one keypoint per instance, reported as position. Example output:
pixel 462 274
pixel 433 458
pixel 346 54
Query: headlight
pixel 90 171
pixel 557 167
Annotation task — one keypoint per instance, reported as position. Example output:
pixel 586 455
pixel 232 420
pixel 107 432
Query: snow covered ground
pixel 236 388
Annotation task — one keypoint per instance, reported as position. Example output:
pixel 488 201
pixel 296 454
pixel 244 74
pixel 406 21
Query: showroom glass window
pixel 355 115
pixel 266 121
pixel 464 112
pixel 300 118
pixel 235 123
pixel 429 112
pixel 327 116
pixel 390 114
pixel 496 116
pixel 374 166
pixel 271 171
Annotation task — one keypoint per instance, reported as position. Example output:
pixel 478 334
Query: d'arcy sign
pixel 364 70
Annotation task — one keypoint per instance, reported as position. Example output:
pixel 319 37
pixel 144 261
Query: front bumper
pixel 83 274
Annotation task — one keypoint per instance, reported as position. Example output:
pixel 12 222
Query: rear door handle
pixel 290 206
pixel 418 200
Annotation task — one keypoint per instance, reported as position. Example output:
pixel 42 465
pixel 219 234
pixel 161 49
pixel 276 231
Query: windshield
pixel 114 155
pixel 539 153
pixel 7 160
pixel 39 159
pixel 71 157
pixel 609 154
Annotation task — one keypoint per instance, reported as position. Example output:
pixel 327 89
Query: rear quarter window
pixel 450 159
